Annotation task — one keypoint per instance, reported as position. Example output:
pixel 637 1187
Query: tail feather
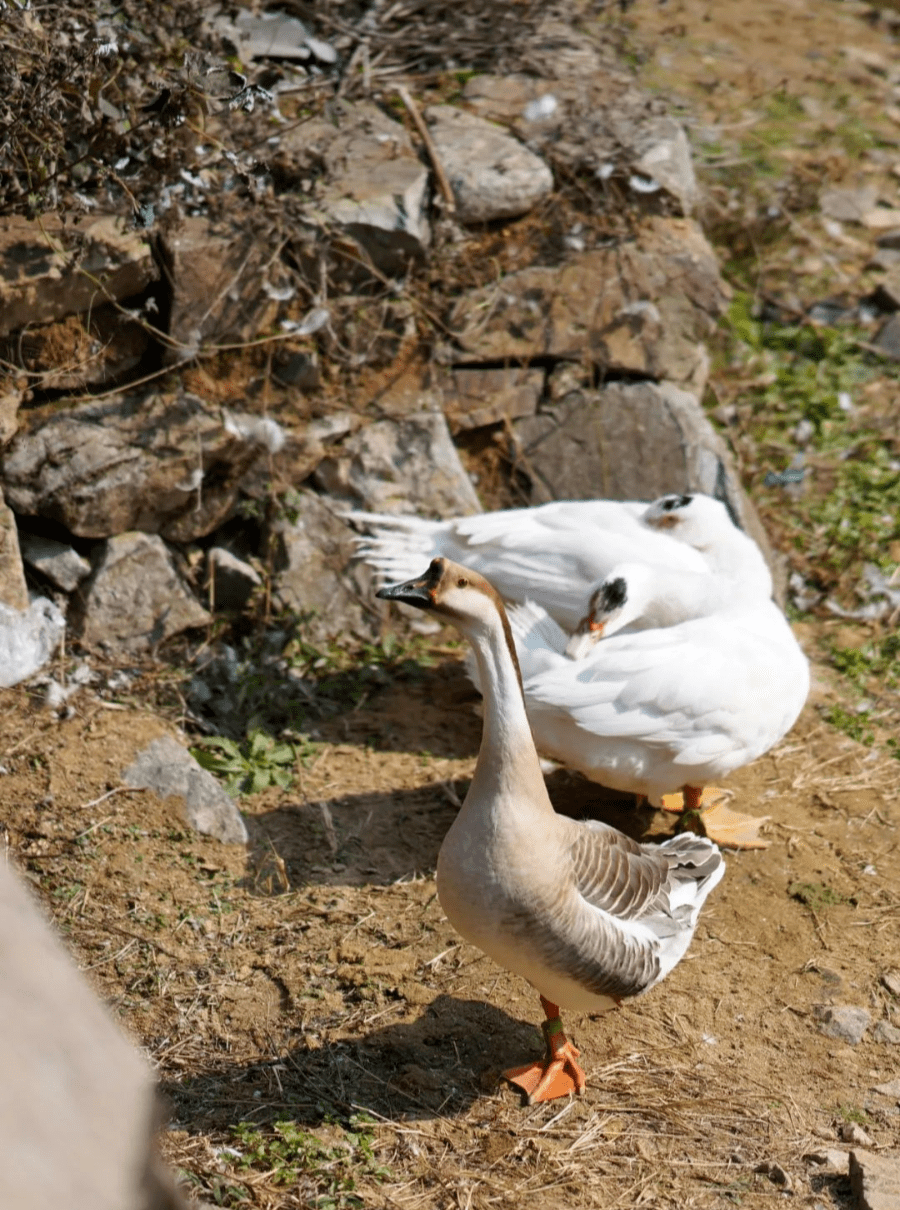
pixel 400 546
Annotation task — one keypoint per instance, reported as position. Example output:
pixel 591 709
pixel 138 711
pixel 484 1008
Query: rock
pixel 881 218
pixel 407 465
pixel 77 1102
pixel 890 1089
pixel 852 1132
pixel 215 272
pixel 171 464
pixel 12 392
pixel 890 240
pixel 887 339
pixel 891 981
pixel 272 35
pixel 644 307
pixel 884 1031
pixel 875 1181
pixel 370 182
pixel 232 580
pixel 776 1174
pixel 845 1022
pixel 62 565
pixel 601 125
pixel 92 348
pixel 475 398
pixel 660 151
pixel 887 293
pixel 169 770
pixel 13 589
pixel 630 441
pixel 314 575
pixel 28 639
pixel 848 205
pixel 832 1158
pixel 49 269
pixel 136 596
pixel 492 175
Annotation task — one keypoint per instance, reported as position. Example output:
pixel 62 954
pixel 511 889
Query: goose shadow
pixel 379 837
pixel 435 1066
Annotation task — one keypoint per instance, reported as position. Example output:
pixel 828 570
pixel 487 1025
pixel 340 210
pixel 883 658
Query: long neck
pixel 508 765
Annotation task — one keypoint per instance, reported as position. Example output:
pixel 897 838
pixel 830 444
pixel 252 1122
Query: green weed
pixel 815 895
pixel 326 1172
pixel 260 762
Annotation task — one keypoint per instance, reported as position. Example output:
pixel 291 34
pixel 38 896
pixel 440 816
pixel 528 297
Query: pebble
pixel 885 1032
pixel 831 1158
pixel 891 980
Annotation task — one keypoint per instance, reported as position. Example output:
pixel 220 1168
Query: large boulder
pixel 168 464
pixel 630 441
pixel 136 597
pixel 643 306
pixel 49 269
pixel 492 175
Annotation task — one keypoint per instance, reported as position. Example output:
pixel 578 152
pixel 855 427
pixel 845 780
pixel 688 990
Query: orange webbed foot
pixel 556 1075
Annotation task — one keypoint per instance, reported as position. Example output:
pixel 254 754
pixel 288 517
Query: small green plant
pixel 260 762
pixel 852 723
pixel 816 895
pixel 292 1156
pixel 850 1113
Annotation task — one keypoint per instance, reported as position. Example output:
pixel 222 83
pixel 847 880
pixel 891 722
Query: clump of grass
pixel 816 895
pixel 326 1173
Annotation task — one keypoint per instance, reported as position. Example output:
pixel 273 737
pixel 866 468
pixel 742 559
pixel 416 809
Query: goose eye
pixel 462 582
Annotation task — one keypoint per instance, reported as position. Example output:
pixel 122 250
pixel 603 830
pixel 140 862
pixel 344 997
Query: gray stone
pixel 169 770
pixel 884 1031
pixel 845 1022
pixel 852 1132
pixel 875 1181
pixel 491 174
pixel 643 306
pixel 272 35
pixel 13 589
pixel 776 1174
pixel 62 565
pixel 891 981
pixel 136 596
pixel 133 462
pixel 890 1089
pixel 660 151
pixel 48 269
pixel 406 465
pixel 314 574
pixel 232 580
pixel 887 339
pixel 370 182
pixel 475 398
pixel 832 1158
pixel 630 441
pixel 216 272
pixel 601 125
pixel 28 639
pixel 848 205
pixel 77 1103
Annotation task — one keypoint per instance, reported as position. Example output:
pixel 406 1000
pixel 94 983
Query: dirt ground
pixel 315 982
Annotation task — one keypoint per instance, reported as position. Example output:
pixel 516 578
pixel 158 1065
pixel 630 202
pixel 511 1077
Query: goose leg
pixel 706 812
pixel 558 1073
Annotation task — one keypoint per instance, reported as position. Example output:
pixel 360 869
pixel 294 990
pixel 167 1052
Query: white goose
pixel 586 915
pixel 654 711
pixel 555 554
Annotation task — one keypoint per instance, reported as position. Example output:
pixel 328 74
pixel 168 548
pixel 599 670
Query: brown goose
pixel 588 916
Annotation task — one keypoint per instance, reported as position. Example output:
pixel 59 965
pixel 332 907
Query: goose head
pixel 457 594
pixel 695 519
pixel 625 596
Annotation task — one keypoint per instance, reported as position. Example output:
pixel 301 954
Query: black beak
pixel 418 592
